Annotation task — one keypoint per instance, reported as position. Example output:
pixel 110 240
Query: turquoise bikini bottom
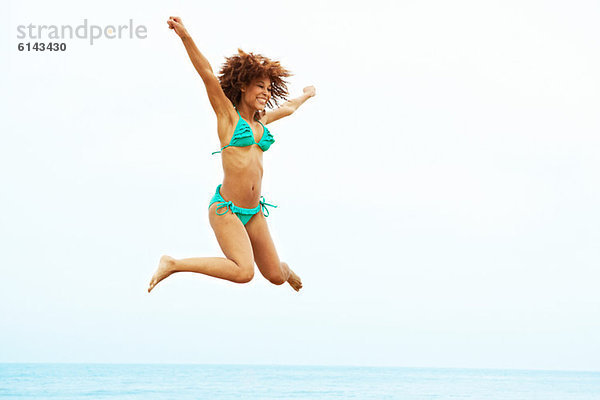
pixel 244 214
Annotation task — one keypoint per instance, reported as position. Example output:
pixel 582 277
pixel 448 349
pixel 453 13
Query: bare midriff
pixel 243 172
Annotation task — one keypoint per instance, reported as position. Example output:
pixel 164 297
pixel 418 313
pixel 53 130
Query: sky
pixel 438 196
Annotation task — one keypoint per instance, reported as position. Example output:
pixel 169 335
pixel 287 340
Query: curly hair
pixel 244 67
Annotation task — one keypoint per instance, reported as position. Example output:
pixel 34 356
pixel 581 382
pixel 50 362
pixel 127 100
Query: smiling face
pixel 257 93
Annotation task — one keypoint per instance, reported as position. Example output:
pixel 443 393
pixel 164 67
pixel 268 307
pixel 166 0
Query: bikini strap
pixel 228 205
pixel 215 152
pixel 264 205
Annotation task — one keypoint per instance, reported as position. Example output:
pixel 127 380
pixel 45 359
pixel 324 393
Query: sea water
pixel 240 382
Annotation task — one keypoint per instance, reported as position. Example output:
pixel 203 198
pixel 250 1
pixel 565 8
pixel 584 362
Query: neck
pixel 246 111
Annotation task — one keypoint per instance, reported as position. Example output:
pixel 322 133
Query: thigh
pixel 265 254
pixel 232 237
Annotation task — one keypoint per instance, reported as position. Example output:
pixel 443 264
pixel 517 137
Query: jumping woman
pixel 237 212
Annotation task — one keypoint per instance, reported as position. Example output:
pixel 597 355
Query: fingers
pixel 310 90
pixel 173 23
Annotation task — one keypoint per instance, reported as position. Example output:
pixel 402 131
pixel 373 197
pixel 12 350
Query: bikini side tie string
pixel 264 206
pixel 227 206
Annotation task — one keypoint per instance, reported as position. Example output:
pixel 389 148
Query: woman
pixel 237 211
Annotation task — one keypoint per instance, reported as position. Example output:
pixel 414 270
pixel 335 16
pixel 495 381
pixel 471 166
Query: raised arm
pixel 219 102
pixel 289 107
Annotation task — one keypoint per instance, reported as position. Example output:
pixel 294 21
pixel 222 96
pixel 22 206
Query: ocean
pixel 240 382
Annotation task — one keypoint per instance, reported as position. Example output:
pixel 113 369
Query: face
pixel 257 93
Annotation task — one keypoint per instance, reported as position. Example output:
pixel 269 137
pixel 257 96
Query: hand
pixel 310 90
pixel 176 24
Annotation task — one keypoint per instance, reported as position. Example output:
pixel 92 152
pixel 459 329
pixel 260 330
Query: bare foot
pixel 164 269
pixel 294 281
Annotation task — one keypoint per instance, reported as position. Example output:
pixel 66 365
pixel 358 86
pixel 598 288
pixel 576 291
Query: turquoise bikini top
pixel 243 136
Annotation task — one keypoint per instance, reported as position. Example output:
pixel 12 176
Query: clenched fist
pixel 310 90
pixel 176 24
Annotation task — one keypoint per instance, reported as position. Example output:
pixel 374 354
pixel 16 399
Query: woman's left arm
pixel 290 106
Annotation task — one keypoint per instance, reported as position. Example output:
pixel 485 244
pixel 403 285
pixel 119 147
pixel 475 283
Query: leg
pixel 234 241
pixel 266 256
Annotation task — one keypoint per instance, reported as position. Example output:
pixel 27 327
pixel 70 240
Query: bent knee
pixel 245 274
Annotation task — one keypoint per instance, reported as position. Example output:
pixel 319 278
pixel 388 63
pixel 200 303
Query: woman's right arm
pixel 219 102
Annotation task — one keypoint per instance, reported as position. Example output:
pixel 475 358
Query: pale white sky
pixel 439 196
